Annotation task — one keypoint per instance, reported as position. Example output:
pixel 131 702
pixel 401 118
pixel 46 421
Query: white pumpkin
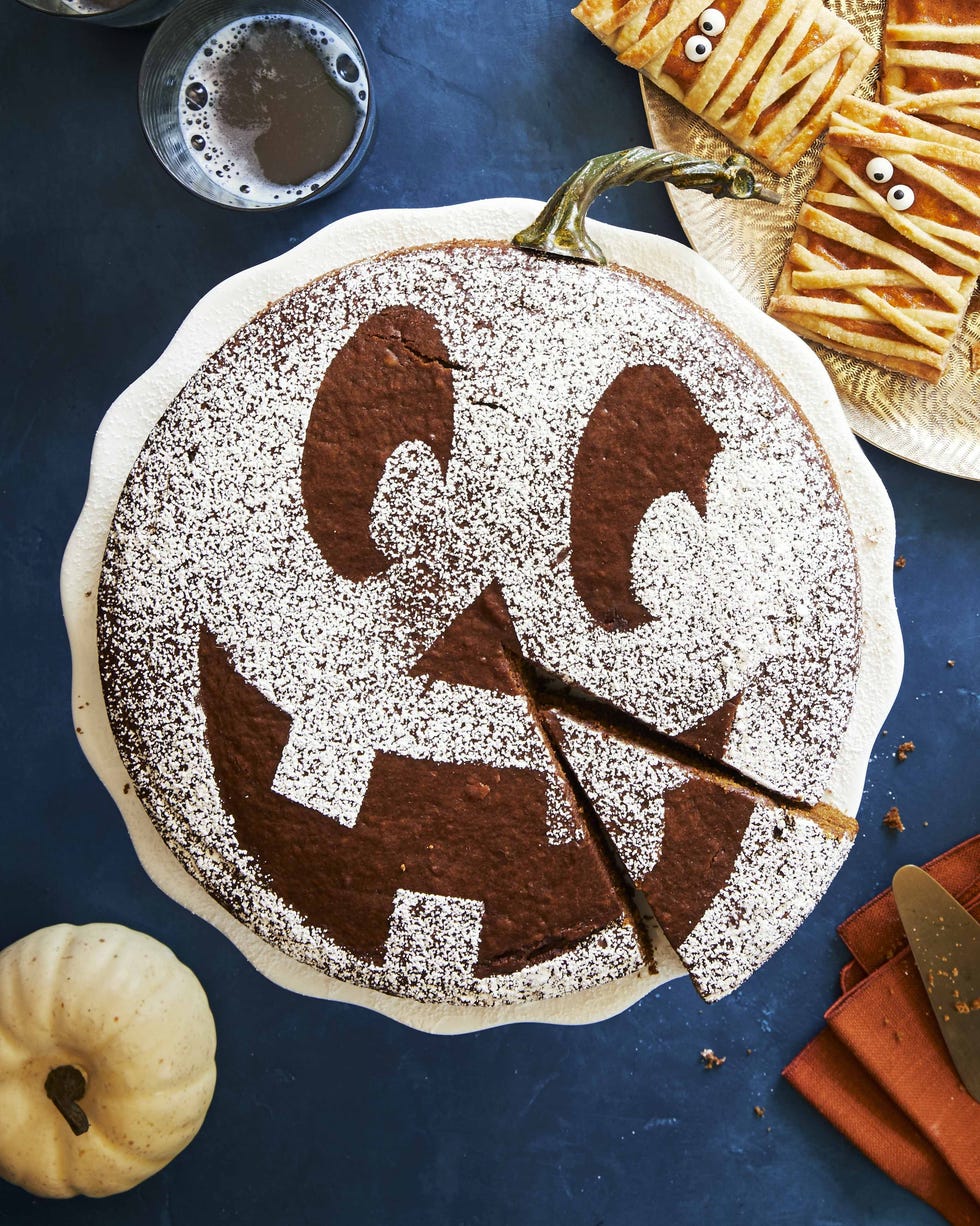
pixel 108 1017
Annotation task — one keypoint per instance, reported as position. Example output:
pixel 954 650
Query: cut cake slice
pixel 728 872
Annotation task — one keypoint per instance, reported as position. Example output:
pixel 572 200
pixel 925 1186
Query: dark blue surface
pixel 325 1113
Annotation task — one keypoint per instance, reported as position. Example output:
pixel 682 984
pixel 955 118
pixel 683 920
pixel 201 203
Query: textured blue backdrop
pixel 326 1113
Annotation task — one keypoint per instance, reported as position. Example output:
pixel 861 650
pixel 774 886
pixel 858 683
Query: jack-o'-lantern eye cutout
pixel 390 384
pixel 645 438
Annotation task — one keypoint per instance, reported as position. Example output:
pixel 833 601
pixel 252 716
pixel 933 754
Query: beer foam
pixel 223 144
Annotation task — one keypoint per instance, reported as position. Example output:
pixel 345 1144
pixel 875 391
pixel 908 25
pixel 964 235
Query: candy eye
pixel 880 170
pixel 697 49
pixel 712 22
pixel 900 197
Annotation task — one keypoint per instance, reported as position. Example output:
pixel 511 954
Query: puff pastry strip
pixel 771 78
pixel 888 285
pixel 931 61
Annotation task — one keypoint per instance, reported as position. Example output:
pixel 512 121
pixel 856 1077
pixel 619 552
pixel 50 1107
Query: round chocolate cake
pixel 470 615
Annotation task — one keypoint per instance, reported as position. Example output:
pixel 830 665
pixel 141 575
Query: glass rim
pixel 233 204
pixel 99 16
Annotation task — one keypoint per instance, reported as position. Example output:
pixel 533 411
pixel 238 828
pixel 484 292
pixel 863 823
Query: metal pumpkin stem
pixel 559 229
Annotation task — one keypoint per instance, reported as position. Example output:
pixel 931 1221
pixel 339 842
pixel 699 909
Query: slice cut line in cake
pixel 766 75
pixel 721 867
pixel 886 252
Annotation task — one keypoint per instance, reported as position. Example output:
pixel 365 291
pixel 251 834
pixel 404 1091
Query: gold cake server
pixel 945 942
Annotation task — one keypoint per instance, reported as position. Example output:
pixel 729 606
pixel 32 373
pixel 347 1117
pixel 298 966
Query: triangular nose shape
pixel 710 737
pixel 475 647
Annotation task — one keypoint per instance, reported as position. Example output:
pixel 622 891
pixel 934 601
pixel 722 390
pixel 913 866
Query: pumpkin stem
pixel 64 1085
pixel 559 228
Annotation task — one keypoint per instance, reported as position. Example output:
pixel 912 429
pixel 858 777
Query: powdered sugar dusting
pixel 434 940
pixel 785 864
pixel 211 529
pixel 626 785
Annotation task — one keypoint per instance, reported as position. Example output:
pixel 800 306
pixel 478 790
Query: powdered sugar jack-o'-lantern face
pixel 366 509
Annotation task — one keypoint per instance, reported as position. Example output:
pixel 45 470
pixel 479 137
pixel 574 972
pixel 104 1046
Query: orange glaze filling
pixel 775 107
pixel 922 80
pixel 684 71
pixel 658 11
pixel 928 203
pixel 935 12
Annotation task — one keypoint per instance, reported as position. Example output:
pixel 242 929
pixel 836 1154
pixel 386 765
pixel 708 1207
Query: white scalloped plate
pixel 227 308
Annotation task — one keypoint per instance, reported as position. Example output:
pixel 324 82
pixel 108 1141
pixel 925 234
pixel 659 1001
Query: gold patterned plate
pixel 935 426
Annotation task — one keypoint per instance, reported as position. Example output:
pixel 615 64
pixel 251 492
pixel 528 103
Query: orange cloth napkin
pixel 880 1072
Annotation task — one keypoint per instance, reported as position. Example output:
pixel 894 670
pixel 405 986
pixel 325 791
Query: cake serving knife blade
pixel 945 942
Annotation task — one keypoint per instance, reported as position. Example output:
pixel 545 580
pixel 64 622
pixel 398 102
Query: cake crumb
pixel 903 751
pixel 710 1060
pixel 758 1112
pixel 950 663
pixel 893 820
pixel 900 562
pixel 975 358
